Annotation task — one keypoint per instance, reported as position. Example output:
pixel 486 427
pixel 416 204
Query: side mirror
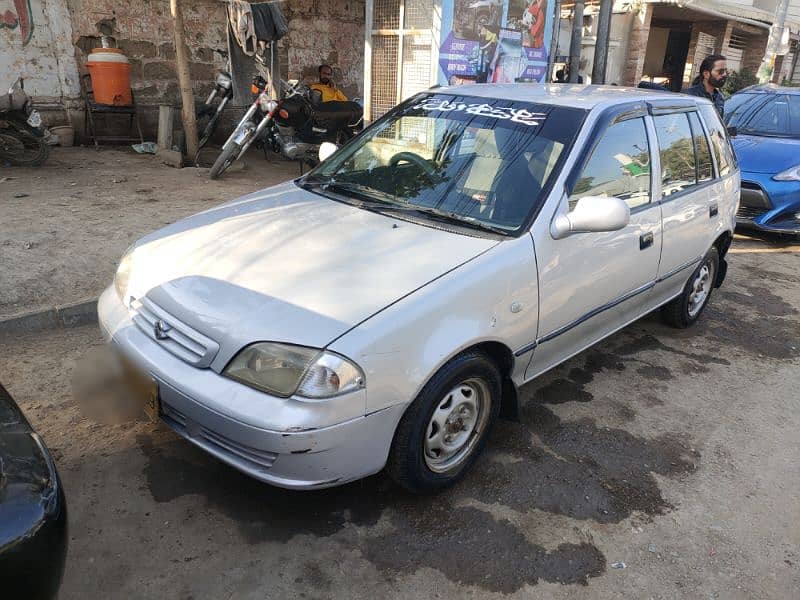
pixel 592 214
pixel 733 131
pixel 326 149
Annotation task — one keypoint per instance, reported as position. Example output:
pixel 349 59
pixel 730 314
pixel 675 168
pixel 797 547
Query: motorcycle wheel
pixel 225 160
pixel 22 147
pixel 207 133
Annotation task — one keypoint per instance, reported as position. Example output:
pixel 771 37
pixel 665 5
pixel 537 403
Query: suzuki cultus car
pixel 382 311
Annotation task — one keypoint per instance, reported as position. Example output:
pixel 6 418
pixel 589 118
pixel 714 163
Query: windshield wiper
pixel 450 217
pixel 352 186
pixel 387 203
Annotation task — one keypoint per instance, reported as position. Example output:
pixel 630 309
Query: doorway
pixel 675 57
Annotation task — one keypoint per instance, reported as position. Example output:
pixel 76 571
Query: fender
pixel 501 315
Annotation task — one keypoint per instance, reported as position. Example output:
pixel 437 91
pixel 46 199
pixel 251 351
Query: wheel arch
pixel 722 244
pixel 503 357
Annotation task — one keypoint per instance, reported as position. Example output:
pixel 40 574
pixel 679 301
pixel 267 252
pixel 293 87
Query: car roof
pixel 770 88
pixel 563 94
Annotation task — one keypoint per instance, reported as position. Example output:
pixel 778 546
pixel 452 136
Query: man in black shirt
pixel 713 74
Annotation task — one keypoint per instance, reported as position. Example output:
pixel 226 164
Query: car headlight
pixel 266 103
pixel 123 274
pixel 792 174
pixel 285 370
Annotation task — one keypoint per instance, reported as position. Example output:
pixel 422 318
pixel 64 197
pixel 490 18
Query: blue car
pixel 767 145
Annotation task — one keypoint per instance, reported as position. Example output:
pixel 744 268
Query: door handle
pixel 645 240
pixel 713 211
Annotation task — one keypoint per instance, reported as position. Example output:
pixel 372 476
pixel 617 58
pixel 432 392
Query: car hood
pixel 762 154
pixel 289 265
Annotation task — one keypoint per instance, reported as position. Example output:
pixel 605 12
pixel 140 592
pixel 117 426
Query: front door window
pixel 619 166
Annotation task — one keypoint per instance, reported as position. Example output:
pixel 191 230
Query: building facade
pixel 664 41
pixel 386 50
pixel 47 43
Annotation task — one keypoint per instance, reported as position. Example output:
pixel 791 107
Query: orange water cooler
pixel 111 76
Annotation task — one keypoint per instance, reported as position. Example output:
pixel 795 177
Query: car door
pixel 591 284
pixel 689 202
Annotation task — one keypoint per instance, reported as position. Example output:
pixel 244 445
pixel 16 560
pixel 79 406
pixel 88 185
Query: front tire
pixel 444 430
pixel 683 311
pixel 225 160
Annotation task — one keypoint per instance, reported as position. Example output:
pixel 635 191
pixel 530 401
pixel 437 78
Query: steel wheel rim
pixel 456 425
pixel 701 288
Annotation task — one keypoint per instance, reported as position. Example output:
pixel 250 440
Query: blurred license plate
pixel 144 388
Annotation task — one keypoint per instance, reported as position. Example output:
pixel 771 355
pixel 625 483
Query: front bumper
pixel 291 443
pixel 775 205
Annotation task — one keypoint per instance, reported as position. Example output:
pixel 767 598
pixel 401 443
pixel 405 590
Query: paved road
pixel 675 452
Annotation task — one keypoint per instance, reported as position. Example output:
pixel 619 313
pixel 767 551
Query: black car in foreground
pixel 33 511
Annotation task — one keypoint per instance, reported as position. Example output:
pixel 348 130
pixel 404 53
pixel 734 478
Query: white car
pixel 383 310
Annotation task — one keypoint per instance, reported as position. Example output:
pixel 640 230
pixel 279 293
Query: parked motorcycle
pixel 294 126
pixel 212 108
pixel 22 137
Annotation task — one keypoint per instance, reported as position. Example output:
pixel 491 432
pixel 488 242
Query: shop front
pixel 411 45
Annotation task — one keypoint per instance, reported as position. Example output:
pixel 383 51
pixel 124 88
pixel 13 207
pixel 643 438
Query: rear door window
pixel 720 144
pixel 676 148
pixel 705 169
pixel 619 166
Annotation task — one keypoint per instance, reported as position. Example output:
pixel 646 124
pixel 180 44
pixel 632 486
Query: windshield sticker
pixel 516 115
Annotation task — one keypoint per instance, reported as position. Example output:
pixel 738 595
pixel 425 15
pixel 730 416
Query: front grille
pixel 175 336
pixel 189 429
pixel 748 213
pixel 754 196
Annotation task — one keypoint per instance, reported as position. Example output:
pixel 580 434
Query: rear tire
pixel 23 147
pixel 445 428
pixel 226 158
pixel 683 311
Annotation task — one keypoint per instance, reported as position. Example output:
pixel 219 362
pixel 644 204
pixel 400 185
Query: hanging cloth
pixel 240 17
pixel 269 23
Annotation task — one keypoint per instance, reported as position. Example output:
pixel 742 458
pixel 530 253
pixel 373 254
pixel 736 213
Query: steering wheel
pixel 414 159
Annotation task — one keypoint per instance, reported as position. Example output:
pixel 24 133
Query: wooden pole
pixel 184 79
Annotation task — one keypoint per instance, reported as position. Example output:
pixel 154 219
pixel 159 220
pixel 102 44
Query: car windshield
pixel 477 162
pixel 774 115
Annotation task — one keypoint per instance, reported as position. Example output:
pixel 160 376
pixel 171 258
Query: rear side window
pixel 723 152
pixel 676 148
pixel 705 170
pixel 619 166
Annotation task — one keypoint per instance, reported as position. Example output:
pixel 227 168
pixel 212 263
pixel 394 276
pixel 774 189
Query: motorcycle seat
pixel 337 114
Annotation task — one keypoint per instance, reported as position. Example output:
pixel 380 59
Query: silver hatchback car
pixel 383 310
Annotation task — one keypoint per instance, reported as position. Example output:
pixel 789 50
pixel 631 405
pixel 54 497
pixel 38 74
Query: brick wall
pixel 325 31
pixel 143 30
pixel 329 31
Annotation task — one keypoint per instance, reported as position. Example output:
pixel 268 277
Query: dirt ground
pixel 675 453
pixel 64 225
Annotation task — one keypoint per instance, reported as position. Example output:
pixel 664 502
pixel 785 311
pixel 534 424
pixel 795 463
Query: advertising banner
pixel 494 41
